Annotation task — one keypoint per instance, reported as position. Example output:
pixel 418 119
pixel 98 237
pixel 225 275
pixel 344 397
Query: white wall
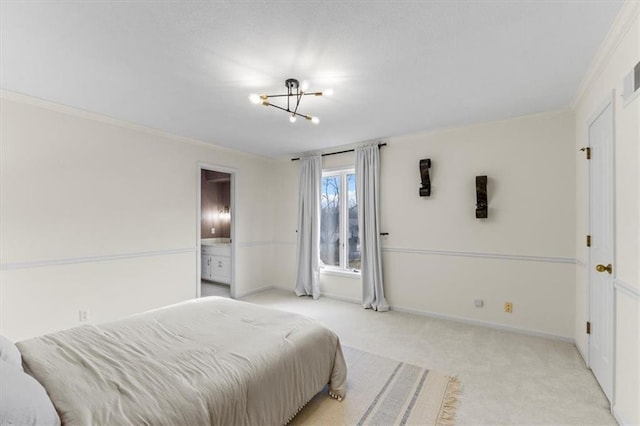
pixel 438 257
pixel 101 215
pixel 619 53
pixel 526 244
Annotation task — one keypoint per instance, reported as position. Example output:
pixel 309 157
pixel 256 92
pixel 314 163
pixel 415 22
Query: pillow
pixel 23 401
pixel 10 353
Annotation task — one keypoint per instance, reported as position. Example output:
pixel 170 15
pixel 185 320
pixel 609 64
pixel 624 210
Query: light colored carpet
pixel 508 378
pixel 381 391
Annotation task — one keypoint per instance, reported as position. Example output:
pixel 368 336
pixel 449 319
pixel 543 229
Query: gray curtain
pixel 368 196
pixel 308 250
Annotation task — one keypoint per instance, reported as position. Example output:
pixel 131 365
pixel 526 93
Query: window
pixel 339 242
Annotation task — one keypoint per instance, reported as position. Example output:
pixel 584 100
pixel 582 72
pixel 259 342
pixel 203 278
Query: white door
pixel 601 266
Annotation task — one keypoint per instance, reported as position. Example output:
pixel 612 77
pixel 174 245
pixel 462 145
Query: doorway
pixel 216 229
pixel 601 253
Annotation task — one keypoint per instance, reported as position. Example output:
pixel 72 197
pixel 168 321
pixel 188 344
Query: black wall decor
pixel 482 206
pixel 425 165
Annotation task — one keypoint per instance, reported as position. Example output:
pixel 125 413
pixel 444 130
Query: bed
pixel 205 361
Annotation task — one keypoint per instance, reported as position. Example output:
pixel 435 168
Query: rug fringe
pixel 331 394
pixel 446 416
pixel 335 396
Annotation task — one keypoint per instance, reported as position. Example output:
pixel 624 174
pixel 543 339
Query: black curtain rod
pixel 340 152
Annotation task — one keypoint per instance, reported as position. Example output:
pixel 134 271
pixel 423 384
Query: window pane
pixel 330 221
pixel 352 231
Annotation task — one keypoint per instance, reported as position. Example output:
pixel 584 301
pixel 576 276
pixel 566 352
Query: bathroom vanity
pixel 216 260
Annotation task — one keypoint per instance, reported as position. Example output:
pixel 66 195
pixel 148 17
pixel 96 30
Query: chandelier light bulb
pixel 315 120
pixel 254 98
pixel 304 85
pixel 292 118
pixel 328 92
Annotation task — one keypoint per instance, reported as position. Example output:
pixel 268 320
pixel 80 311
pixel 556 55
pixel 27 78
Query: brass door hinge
pixel 588 327
pixel 588 151
pixel 588 240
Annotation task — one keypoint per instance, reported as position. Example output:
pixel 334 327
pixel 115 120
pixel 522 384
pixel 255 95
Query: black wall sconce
pixel 482 206
pixel 425 189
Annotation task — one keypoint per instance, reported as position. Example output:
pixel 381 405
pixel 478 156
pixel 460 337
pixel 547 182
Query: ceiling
pixel 396 67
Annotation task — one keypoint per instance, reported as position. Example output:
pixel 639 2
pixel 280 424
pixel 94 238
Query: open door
pixel 216 231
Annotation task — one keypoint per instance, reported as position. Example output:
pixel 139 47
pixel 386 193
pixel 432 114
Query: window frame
pixel 343 268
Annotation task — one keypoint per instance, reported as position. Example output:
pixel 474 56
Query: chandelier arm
pixel 293 89
pixel 303 94
pixel 279 107
pixel 298 96
pixel 295 111
pixel 308 117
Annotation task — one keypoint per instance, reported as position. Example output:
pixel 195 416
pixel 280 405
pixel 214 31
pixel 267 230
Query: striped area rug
pixel 381 391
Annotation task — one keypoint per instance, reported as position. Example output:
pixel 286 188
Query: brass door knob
pixel 602 268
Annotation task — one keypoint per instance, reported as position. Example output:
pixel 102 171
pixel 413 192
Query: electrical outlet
pixel 508 307
pixel 213 231
pixel 83 315
pixel 479 303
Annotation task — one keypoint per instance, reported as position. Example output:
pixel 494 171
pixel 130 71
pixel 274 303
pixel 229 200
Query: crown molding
pixel 88 115
pixel 629 12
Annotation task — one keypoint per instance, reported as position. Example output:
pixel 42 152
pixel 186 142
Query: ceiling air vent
pixel 631 85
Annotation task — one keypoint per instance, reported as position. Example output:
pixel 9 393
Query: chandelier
pixel 295 92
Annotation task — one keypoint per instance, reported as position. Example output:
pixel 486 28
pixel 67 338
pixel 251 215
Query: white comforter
pixel 207 361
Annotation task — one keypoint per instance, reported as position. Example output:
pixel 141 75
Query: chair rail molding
pixel 91 259
pixel 627 289
pixel 485 255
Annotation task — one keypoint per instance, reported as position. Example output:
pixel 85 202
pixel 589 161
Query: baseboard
pixel 462 320
pixel 616 414
pixel 341 298
pixel 279 287
pixel 439 316
pixel 582 354
pixel 327 295
pixel 486 324
pixel 254 291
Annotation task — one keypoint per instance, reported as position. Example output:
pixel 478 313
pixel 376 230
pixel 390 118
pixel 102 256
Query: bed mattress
pixel 206 361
